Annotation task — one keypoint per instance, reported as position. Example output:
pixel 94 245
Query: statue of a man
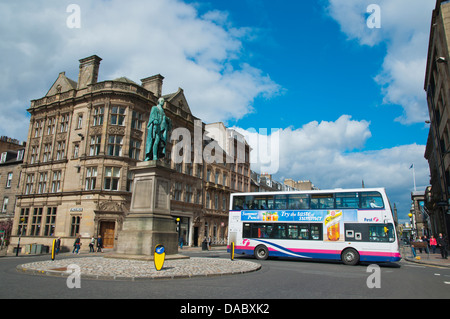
pixel 159 126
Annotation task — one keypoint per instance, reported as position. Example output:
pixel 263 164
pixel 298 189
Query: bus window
pixel 347 200
pixel 298 202
pixel 316 231
pixel 260 202
pixel 248 203
pixel 238 202
pixel 280 201
pixel 371 200
pixel 322 201
pixel 381 233
pixel 303 232
pixel 270 203
pixel 278 231
pixel 293 232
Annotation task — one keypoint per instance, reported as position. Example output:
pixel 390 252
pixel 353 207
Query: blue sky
pixel 347 101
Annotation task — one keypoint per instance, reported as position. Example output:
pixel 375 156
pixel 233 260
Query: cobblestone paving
pixel 124 269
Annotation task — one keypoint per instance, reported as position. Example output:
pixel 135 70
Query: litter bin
pixel 204 245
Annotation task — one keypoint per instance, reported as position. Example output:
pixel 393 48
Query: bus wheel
pixel 350 257
pixel 261 252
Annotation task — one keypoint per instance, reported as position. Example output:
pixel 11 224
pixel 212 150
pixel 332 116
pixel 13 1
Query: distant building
pixel 299 185
pixel 11 158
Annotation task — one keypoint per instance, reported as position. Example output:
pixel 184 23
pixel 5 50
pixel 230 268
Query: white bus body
pixel 349 225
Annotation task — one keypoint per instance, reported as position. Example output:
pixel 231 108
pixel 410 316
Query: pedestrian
pixel 442 243
pixel 181 241
pixel 99 244
pixel 427 241
pixel 209 242
pixel 77 245
pixel 433 244
pixel 58 245
pixel 91 245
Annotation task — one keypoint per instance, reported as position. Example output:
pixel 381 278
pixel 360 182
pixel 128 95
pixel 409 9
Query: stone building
pixel 11 158
pixel 83 139
pixel 437 87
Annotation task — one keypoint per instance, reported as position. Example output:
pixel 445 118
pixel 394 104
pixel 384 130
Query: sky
pixel 320 93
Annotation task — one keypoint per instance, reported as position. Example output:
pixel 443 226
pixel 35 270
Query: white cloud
pixel 329 154
pixel 404 29
pixel 136 39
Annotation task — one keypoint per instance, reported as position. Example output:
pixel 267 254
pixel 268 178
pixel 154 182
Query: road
pixel 277 279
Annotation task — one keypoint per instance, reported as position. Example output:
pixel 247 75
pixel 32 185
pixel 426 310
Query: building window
pixel 29 184
pixel 80 121
pixel 177 192
pixel 34 154
pixel 207 200
pixel 42 183
pixel 95 145
pixel 112 176
pixel 91 178
pixel 5 204
pixel 50 221
pixel 189 194
pixel 117 115
pixel 23 221
pixel 38 128
pixel 98 116
pixel 216 178
pixel 224 202
pixel 47 152
pixel 76 150
pixel 136 120
pixel 51 124
pixel 9 180
pixel 56 182
pixel 115 145
pixel 64 125
pixel 135 149
pixel 75 225
pixel 216 201
pixel 36 222
pixel 60 150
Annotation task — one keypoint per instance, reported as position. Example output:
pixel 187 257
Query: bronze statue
pixel 159 126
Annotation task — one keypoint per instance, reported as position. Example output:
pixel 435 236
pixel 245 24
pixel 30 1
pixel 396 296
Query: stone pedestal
pixel 149 222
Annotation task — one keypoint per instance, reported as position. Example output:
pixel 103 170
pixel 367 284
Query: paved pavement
pixel 424 258
pixel 102 266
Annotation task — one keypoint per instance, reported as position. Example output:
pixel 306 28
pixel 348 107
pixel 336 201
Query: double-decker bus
pixel 349 225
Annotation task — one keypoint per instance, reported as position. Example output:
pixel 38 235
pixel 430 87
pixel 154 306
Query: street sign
pixel 159 257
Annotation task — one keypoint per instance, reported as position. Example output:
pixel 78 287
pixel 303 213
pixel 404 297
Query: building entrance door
pixel 107 233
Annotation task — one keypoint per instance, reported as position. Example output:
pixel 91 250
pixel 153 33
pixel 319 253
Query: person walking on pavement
pixel 91 245
pixel 99 244
pixel 442 243
pixel 58 245
pixel 433 244
pixel 77 245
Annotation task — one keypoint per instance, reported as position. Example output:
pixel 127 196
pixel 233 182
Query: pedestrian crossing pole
pixel 232 250
pixel 53 249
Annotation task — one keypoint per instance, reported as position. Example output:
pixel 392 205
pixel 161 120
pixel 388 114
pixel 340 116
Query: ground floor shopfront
pixel 41 220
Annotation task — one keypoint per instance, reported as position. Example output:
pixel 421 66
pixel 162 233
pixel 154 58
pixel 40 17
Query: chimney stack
pixel 153 84
pixel 88 71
